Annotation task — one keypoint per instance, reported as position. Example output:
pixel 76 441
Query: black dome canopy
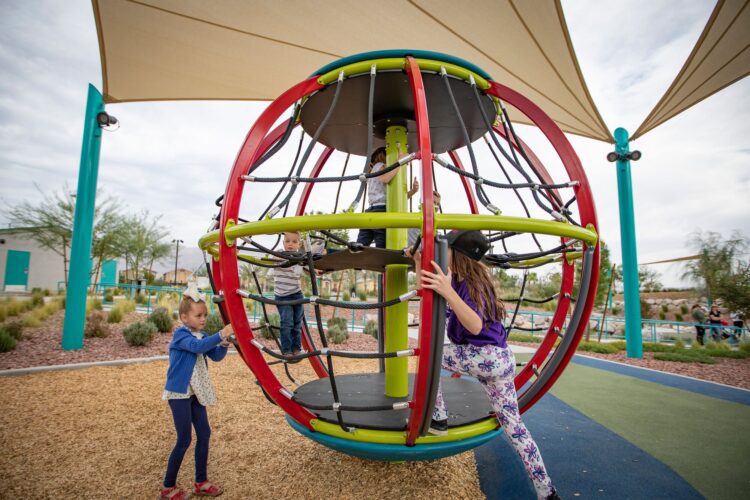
pixel 346 130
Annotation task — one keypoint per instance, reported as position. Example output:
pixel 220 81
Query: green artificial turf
pixel 705 440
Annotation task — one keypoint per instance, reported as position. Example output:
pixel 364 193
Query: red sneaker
pixel 207 489
pixel 173 493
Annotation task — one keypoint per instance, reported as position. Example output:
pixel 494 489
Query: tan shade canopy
pixel 256 49
pixel 720 58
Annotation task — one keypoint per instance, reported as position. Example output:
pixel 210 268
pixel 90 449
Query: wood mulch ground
pixel 104 432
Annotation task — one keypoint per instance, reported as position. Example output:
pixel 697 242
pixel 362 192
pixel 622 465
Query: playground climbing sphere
pixel 430 109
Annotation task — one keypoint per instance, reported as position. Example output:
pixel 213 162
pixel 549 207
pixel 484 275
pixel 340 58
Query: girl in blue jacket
pixel 189 390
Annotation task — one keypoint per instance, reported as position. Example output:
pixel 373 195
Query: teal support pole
pixel 83 225
pixel 632 293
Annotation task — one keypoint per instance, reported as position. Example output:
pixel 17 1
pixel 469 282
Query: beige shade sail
pixel 720 58
pixel 256 49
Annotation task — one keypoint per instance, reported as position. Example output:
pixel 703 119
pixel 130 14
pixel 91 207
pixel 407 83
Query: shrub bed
pixel 162 319
pixel 139 333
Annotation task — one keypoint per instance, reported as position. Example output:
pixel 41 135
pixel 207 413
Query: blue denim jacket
pixel 182 353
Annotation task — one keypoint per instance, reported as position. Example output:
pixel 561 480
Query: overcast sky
pixel 173 158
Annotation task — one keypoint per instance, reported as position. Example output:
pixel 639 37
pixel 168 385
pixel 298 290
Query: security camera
pixel 106 120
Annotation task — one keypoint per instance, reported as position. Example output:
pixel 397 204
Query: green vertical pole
pixel 632 293
pixel 83 225
pixel 396 317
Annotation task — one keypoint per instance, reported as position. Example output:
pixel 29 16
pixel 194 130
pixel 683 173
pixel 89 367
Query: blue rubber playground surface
pixel 609 430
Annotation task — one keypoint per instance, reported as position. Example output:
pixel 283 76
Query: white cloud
pixel 174 158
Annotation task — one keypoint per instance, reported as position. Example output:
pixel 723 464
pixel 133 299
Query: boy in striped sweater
pixel 287 287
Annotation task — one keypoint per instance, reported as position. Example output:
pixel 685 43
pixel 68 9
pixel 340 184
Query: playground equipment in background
pixel 426 106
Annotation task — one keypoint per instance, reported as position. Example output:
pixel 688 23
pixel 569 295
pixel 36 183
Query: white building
pixel 24 265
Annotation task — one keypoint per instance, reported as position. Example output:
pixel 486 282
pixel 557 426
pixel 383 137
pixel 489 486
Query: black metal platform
pixel 465 399
pixel 369 259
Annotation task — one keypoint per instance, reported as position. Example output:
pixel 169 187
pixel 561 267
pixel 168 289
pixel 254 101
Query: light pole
pixel 176 256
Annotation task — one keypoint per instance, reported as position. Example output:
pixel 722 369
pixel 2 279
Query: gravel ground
pixel 104 432
pixel 41 346
pixel 734 372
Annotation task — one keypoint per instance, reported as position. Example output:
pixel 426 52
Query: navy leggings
pixel 186 412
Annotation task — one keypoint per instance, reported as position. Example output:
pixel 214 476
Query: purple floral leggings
pixel 495 368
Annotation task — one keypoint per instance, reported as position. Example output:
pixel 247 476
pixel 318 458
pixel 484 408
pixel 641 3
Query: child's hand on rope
pixel 414 188
pixel 438 281
pixel 226 332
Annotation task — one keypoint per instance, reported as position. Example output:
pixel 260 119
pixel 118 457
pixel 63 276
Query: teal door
pixel 109 273
pixel 17 270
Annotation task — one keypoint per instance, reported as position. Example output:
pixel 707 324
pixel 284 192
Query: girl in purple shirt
pixel 478 345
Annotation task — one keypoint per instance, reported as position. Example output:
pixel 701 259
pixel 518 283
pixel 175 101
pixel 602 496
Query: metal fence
pixel 653 330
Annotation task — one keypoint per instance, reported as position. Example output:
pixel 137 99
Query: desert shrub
pixel 126 306
pixel 3 313
pixel 597 347
pixel 615 311
pixel 162 319
pixel 717 346
pixel 109 295
pixel 325 295
pixel 214 323
pixel 696 345
pixel 37 299
pixel 141 298
pixel 685 357
pixel 115 315
pixel 371 329
pixel 745 346
pixel 678 317
pixel 7 343
pixel 93 305
pixel 12 328
pixel 96 325
pixel 679 344
pixel 656 347
pixel 272 331
pixel 52 306
pixel 523 337
pixel 336 334
pixel 620 345
pixel 31 320
pixel 12 308
pixel 139 333
pixel 549 306
pixel 168 301
pixel 664 308
pixel 337 321
pixel 662 316
pixel 728 354
pixel 683 308
pixel 362 295
pixel 347 297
